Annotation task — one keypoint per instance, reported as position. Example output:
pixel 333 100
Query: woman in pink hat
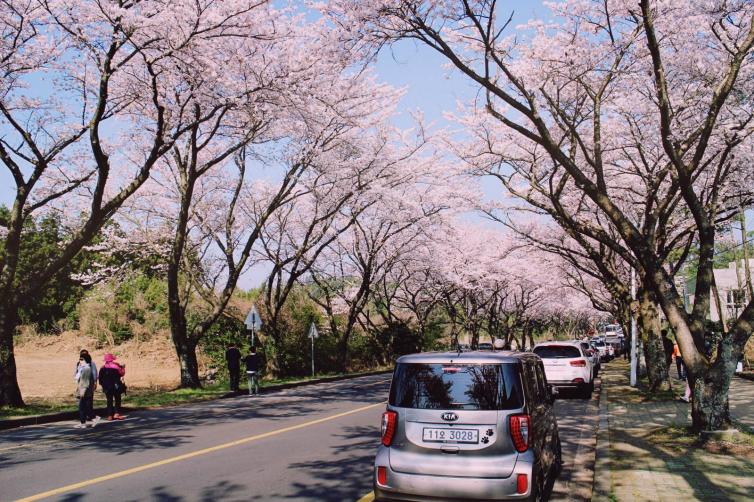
pixel 110 379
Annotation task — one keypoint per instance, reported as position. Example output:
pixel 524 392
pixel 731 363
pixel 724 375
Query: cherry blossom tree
pixel 399 209
pixel 578 92
pixel 362 163
pixel 93 95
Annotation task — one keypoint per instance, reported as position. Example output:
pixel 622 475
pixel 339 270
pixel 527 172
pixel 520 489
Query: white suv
pixel 567 366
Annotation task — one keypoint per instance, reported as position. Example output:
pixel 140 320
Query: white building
pixel 731 285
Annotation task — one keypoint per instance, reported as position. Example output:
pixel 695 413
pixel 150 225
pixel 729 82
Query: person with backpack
pixel 252 371
pixel 84 389
pixel 110 379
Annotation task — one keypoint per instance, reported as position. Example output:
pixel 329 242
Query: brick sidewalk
pixel 633 465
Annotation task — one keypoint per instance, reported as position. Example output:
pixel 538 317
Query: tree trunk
pixel 185 346
pixel 342 353
pixel 709 391
pixel 654 352
pixel 474 340
pixel 272 345
pixel 10 393
pixel 186 350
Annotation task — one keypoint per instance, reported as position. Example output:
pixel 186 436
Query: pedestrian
pixel 233 358
pixel 90 400
pixel 84 388
pixel 679 366
pixel 111 380
pixel 252 371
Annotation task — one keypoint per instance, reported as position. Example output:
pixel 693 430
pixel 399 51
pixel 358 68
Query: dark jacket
pixel 252 362
pixel 109 379
pixel 233 356
pixel 667 346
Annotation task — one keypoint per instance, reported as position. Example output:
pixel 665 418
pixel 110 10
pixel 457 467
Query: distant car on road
pixel 567 366
pixel 475 425
pixel 484 346
pixel 617 343
pixel 613 330
pixel 601 347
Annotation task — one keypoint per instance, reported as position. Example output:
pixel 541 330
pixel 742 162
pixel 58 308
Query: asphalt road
pixel 311 443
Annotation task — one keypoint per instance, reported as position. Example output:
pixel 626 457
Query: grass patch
pixel 681 439
pixel 37 407
pixel 149 397
pixel 621 391
pixel 156 398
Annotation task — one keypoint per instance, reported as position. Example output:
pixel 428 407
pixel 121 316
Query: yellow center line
pixel 186 456
pixel 13 447
pixel 369 497
pixel 100 430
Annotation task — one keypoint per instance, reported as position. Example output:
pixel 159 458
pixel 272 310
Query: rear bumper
pixel 568 385
pixel 423 487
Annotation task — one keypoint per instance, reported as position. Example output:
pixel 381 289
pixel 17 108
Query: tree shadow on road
pixel 344 474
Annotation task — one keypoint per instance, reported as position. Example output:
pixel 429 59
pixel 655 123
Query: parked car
pixel 474 425
pixel 601 347
pixel 617 342
pixel 593 356
pixel 567 366
pixel 484 346
pixel 613 330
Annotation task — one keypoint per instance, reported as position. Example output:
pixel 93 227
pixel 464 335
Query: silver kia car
pixel 468 426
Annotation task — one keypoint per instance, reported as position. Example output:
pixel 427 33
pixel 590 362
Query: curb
pixel 602 488
pixel 12 423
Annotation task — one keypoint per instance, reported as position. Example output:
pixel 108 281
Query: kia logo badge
pixel 451 417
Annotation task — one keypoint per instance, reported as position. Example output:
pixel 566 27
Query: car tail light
pixel 577 380
pixel 382 475
pixel 579 362
pixel 389 420
pixel 519 428
pixel 522 484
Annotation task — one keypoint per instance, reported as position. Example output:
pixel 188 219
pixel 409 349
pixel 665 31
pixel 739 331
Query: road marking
pixel 93 434
pixel 369 497
pixel 185 456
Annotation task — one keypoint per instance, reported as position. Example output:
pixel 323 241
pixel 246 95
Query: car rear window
pixel 456 386
pixel 557 352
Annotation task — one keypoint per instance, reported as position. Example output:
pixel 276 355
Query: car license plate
pixel 436 435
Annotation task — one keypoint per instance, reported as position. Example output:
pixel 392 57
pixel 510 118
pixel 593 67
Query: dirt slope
pixel 46 363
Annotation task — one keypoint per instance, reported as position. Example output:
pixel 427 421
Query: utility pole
pixel 634 341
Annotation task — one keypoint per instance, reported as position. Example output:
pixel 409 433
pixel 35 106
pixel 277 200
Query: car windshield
pixel 599 344
pixel 456 386
pixel 557 351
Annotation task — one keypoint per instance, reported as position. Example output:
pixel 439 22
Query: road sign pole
pixel 313 334
pixel 253 322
